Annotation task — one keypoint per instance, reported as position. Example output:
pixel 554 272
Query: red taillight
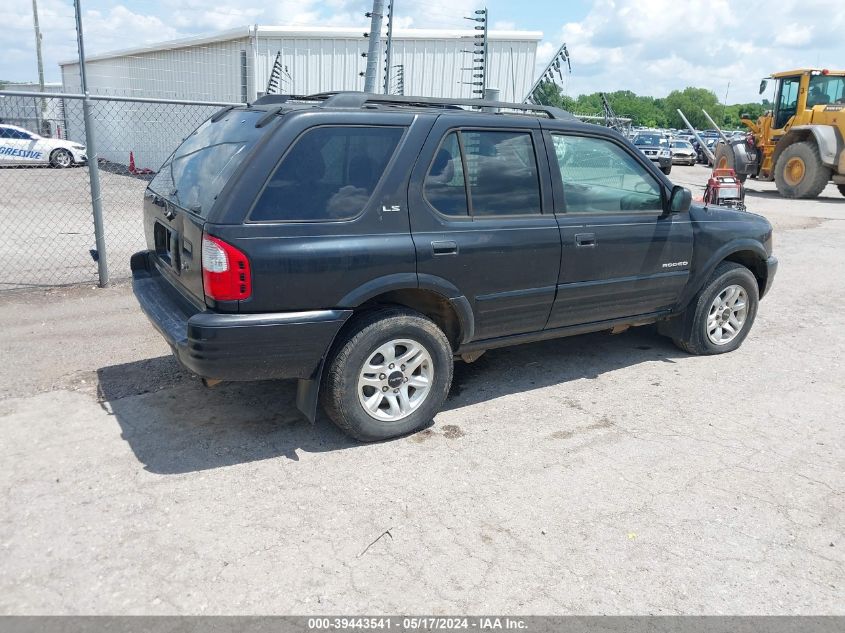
pixel 225 271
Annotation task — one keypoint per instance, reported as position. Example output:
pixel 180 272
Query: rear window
pixel 198 170
pixel 330 173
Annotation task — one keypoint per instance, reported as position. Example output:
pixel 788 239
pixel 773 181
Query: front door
pixel 622 255
pixel 482 221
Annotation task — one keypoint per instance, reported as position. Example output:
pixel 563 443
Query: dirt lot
pixel 600 474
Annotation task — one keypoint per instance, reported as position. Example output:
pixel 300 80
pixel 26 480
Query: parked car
pixel 683 153
pixel 361 243
pixel 19 146
pixel 655 147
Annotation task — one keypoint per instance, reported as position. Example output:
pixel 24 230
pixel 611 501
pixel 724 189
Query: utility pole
pixel 372 52
pixel 389 50
pixel 40 63
pixel 93 165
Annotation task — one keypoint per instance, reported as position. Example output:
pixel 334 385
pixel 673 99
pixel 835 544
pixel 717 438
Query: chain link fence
pixel 46 222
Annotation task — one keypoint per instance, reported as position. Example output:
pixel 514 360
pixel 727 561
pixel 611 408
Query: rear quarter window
pixel 330 173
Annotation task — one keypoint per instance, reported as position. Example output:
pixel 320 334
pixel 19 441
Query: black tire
pixel 726 274
pixel 61 158
pixel 725 158
pixel 666 170
pixel 360 341
pixel 841 189
pixel 815 175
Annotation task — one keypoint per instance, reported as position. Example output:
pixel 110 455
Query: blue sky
pixel 648 46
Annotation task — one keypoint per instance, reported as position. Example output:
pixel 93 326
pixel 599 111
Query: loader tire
pixel 799 172
pixel 725 158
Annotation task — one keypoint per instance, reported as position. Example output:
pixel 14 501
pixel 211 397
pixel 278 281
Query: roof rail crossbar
pixel 360 99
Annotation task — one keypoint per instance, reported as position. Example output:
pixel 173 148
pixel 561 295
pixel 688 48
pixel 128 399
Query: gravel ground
pixel 598 474
pixel 48 227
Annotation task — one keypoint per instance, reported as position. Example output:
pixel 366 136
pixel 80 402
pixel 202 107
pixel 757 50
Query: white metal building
pixel 234 66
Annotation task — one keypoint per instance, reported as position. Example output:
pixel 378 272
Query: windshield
pixel 198 170
pixel 681 145
pixel 650 139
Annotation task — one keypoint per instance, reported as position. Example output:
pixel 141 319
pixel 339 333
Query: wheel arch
pixel 826 138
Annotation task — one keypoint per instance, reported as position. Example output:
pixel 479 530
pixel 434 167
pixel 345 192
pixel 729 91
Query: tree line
pixel 656 112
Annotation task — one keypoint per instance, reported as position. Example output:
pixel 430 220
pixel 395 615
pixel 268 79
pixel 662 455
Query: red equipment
pixel 725 189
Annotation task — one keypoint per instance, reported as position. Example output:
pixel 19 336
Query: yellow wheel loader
pixel 800 144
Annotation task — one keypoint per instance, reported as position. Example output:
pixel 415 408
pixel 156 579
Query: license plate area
pixel 166 247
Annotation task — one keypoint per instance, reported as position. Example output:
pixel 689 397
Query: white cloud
pixel 655 46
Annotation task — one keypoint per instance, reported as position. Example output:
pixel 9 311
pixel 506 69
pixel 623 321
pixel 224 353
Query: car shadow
pixel 173 424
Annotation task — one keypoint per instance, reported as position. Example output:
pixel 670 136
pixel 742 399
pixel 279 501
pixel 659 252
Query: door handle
pixel 444 248
pixel 585 239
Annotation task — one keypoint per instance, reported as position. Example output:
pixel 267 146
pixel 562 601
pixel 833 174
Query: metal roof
pixel 327 32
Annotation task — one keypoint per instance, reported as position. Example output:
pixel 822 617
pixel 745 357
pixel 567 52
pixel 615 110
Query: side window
pixel 5 132
pixel 445 186
pixel 502 173
pixel 329 174
pixel 599 176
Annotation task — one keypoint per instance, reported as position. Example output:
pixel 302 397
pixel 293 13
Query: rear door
pixel 621 254
pixel 481 219
pixel 180 197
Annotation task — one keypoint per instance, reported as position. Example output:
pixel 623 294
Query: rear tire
pixel 725 310
pixel 61 159
pixel 388 376
pixel 799 172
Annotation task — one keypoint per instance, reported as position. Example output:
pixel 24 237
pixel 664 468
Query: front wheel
pixel 61 158
pixel 388 376
pixel 666 170
pixel 725 310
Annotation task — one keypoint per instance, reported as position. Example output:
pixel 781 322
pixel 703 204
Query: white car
pixel 19 146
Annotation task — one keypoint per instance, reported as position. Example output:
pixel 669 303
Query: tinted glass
pixel 599 176
pixel 825 90
pixel 445 186
pixel 329 174
pixel 5 133
pixel 502 173
pixel 197 171
pixel 650 139
pixel 787 102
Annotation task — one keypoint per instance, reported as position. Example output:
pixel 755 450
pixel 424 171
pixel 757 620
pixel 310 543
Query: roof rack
pixel 361 99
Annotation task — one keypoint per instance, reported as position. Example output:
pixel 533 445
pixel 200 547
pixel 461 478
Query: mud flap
pixel 308 393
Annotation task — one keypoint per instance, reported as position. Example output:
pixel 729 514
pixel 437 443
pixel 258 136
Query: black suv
pixel 360 243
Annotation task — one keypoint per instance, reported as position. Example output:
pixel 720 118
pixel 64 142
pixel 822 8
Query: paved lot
pixel 600 474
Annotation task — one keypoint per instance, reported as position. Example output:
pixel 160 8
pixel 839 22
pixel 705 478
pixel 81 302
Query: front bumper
pixel 771 270
pixel 79 156
pixel 234 346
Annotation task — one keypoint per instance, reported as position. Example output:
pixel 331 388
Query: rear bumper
pixel 234 346
pixel 771 269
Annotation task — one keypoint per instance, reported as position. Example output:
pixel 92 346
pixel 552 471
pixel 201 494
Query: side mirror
pixel 680 200
pixel 763 85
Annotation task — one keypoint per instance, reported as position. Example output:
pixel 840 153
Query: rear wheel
pixel 388 376
pixel 725 158
pixel 725 310
pixel 799 172
pixel 61 158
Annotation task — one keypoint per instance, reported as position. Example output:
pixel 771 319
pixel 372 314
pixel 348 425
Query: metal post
pixel 491 94
pixel 716 127
pixel 372 51
pixel 40 61
pixel 389 51
pixel 486 54
pixel 697 137
pixel 93 166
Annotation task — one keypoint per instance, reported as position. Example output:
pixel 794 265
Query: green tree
pixel 691 101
